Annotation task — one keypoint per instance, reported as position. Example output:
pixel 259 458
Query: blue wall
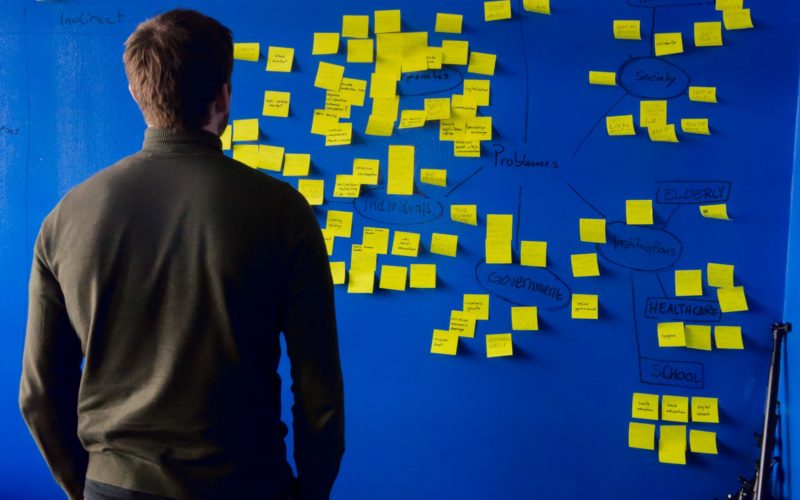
pixel 552 421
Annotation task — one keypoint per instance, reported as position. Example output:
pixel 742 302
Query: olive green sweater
pixel 172 273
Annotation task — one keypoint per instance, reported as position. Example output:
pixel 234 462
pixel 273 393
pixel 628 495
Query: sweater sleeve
pixel 51 373
pixel 309 326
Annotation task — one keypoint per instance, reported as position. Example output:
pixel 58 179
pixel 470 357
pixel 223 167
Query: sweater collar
pixel 163 140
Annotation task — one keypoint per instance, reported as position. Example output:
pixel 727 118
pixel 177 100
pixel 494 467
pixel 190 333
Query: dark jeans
pixel 94 490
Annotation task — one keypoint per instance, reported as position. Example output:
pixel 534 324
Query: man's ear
pixel 222 103
pixel 132 95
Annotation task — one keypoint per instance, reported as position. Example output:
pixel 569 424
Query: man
pixel 171 274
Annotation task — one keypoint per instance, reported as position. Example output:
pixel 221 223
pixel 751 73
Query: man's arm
pixel 51 373
pixel 309 326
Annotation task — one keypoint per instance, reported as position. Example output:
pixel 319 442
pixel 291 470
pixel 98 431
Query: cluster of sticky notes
pixel 672 439
pixel 463 323
pixel 653 114
pixel 499 232
pixel 731 298
pixel 678 334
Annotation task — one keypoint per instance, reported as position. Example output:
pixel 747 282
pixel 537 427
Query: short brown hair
pixel 176 64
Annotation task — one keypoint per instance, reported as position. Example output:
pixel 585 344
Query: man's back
pixel 179 267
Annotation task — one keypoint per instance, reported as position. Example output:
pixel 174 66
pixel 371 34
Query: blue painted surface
pixel 552 421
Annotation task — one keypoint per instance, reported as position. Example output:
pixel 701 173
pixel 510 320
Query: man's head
pixel 179 68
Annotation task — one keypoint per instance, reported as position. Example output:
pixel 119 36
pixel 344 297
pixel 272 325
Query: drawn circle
pixel 653 78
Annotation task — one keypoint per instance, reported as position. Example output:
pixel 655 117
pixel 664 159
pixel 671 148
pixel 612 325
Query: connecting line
pixel 597 123
pixel 666 222
pixel 527 78
pixel 470 176
pixel 661 284
pixel 636 323
pixel 653 33
pixel 519 216
pixel 585 200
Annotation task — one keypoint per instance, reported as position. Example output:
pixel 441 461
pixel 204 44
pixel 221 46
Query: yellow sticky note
pixel 423 276
pixel 698 337
pixel 498 251
pixel 602 78
pixel 688 283
pixel 444 342
pixel 668 43
pixel 335 105
pixel 245 130
pixel 376 238
pixel 467 149
pixel 270 157
pixel 728 337
pixel 330 240
pixel 638 212
pixel 479 89
pixel 360 51
pixel 478 129
pixel 737 19
pixel 433 57
pixel 338 272
pixel 387 21
pixel 451 130
pixel 379 126
pixel 662 133
pixel 444 244
pixel 584 265
pixel 675 408
pixel 339 223
pixel 499 226
pixel 719 275
pixel 593 230
pixel 695 126
pixel 355 26
pixel 361 281
pixel 313 190
pixel 353 91
pixel 405 244
pixel 226 138
pixel 728 4
pixel 322 120
pixel 703 94
pixel 325 44
pixel 386 107
pixel 296 164
pixel 481 63
pixel 672 445
pixel 246 51
pixel 462 323
pixel 448 23
pixel 382 85
pixel 366 170
pixel 437 109
pixel 393 278
pixel 620 125
pixel 466 214
pixel 627 29
pixel 499 345
pixel 280 59
pixel 525 318
pixel 276 103
pixel 496 10
pixel 401 170
pixel 671 334
pixel 412 118
pixel 347 186
pixel 708 34
pixel 652 113
pixel 641 436
pixel 246 153
pixel 329 76
pixel 463 107
pixel 644 406
pixel 705 410
pixel 732 299
pixel 340 134
pixel 455 52
pixel 538 6
pixel 533 253
pixel 362 257
pixel 585 306
pixel 703 441
pixel 433 176
pixel 477 304
pixel 715 211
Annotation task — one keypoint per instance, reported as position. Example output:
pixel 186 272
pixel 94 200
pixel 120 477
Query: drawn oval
pixel 523 285
pixel 641 248
pixel 376 205
pixel 428 82
pixel 653 78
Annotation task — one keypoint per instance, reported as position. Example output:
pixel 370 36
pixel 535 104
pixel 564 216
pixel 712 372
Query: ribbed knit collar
pixel 162 140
